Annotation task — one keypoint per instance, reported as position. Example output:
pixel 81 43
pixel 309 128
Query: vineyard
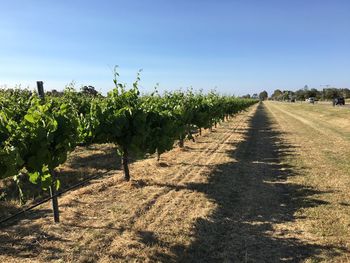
pixel 38 132
pixel 265 185
pixel 232 146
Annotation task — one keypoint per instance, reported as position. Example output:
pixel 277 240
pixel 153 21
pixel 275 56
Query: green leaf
pixel 46 181
pixel 29 118
pixel 45 169
pixel 119 152
pixel 58 184
pixel 34 177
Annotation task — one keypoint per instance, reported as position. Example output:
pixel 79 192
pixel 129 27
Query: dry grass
pixel 246 195
pixel 148 219
pixel 321 137
pixel 84 162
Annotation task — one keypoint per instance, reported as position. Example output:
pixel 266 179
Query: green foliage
pixel 47 132
pixel 36 136
pixel 123 120
pixel 162 126
pixel 263 95
pixel 10 160
pixel 39 140
pixel 305 93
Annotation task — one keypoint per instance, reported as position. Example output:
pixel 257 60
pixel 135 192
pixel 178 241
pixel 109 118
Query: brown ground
pixel 247 192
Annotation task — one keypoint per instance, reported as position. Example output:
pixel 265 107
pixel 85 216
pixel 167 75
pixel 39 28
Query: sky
pixel 235 47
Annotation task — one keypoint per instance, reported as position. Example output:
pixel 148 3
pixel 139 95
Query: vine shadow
pixel 255 204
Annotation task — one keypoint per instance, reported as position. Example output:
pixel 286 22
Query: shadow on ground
pixel 24 241
pixel 253 198
pixel 78 168
pixel 103 156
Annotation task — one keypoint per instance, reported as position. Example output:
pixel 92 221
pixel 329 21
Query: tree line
pixel 305 93
pixel 302 94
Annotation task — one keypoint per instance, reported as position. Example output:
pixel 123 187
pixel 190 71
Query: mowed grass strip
pixel 321 138
pixel 333 119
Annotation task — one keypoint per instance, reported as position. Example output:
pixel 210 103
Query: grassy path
pixel 320 137
pixel 269 207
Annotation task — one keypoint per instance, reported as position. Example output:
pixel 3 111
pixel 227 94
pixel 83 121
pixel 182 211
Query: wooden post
pixel 56 214
pixel 181 142
pixel 52 188
pixel 40 86
pixel 125 163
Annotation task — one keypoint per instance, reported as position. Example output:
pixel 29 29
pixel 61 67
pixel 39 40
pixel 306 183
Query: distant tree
pixel 255 96
pixel 300 94
pixel 246 96
pixel 276 94
pixel 311 93
pixel 345 93
pixel 54 93
pixel 89 90
pixel 331 93
pixel 263 95
pixel 291 94
pixel 285 95
pixel 305 93
pixel 315 93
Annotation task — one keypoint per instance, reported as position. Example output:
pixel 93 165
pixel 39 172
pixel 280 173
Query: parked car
pixel 311 100
pixel 338 101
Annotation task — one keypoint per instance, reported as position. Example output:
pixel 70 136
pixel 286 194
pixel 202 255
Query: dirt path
pixel 228 197
pixel 255 218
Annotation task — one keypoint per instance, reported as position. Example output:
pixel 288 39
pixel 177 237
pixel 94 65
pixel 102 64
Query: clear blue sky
pixel 237 46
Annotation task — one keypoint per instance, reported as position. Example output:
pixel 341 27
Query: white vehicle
pixel 311 100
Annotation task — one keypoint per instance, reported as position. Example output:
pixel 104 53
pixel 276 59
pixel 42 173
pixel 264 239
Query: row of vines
pixel 36 134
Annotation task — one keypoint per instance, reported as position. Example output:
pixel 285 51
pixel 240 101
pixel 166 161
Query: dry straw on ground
pixel 259 188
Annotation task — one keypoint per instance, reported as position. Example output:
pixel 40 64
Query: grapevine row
pixel 37 134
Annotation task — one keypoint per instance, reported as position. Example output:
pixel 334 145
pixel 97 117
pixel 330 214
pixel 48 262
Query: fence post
pixel 56 214
pixel 52 188
pixel 40 86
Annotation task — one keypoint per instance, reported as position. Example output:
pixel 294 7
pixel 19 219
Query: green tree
pixel 263 95
pixel 276 94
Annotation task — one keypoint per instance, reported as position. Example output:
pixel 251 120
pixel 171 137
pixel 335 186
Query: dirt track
pixel 228 197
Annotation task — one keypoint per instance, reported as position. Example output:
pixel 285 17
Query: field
pixel 270 185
